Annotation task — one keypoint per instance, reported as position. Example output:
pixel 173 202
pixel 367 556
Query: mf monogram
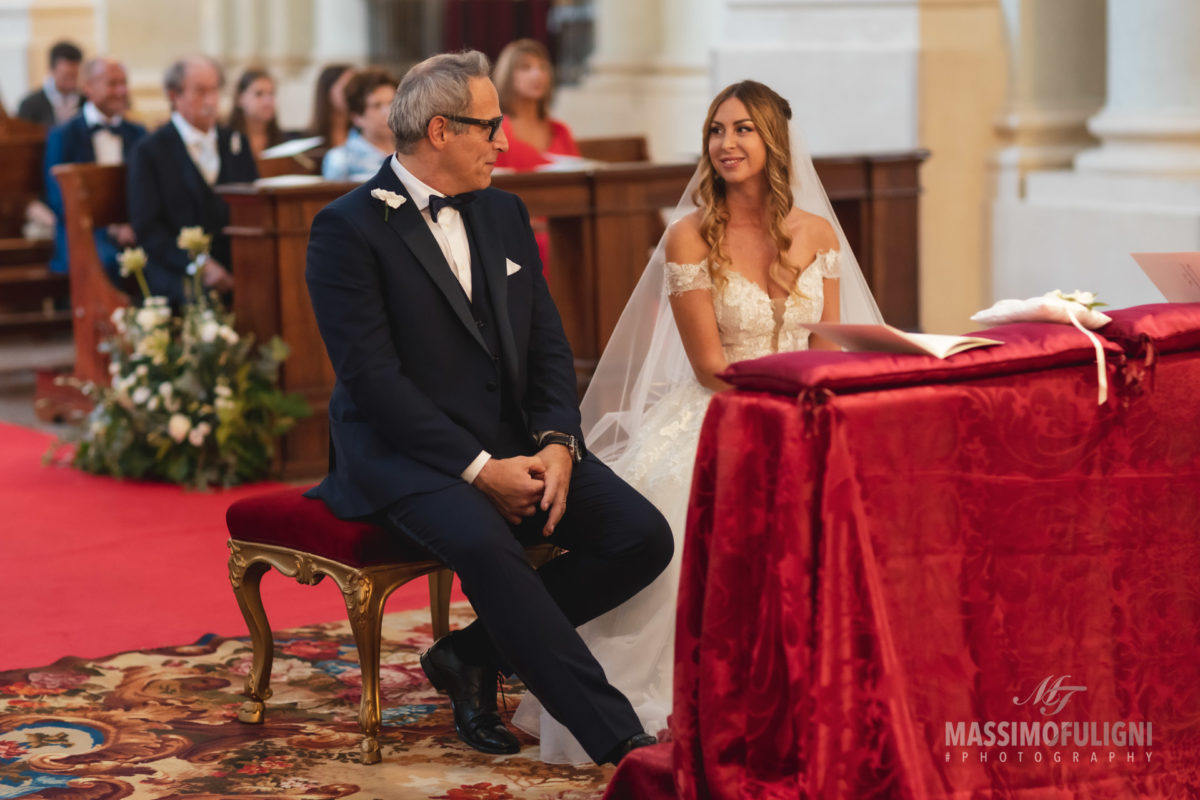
pixel 1050 695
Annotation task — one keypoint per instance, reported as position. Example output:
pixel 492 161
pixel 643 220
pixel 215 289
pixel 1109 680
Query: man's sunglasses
pixel 492 124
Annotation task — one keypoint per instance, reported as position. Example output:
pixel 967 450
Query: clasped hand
pixel 519 486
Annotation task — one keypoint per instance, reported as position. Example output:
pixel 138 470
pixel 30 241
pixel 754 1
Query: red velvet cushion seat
pixel 1028 346
pixel 289 519
pixel 1171 327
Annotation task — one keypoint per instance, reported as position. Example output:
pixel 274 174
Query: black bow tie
pixel 113 129
pixel 437 203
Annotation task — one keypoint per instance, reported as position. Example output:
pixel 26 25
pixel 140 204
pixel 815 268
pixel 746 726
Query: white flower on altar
pixel 178 427
pixel 140 395
pixel 113 368
pixel 208 332
pixel 141 370
pixel 391 199
pixel 222 390
pixel 153 404
pixel 148 318
pixel 166 390
pixel 228 334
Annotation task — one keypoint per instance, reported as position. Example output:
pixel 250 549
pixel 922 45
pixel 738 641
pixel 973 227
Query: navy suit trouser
pixel 616 543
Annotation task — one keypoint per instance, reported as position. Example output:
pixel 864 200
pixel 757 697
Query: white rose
pixel 113 368
pixel 228 334
pixel 166 389
pixel 178 427
pixel 222 390
pixel 142 370
pixel 147 318
pixel 140 395
pixel 208 332
pixel 196 437
pixel 153 404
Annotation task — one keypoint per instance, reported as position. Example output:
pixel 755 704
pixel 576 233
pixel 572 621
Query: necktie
pixel 437 203
pixel 113 129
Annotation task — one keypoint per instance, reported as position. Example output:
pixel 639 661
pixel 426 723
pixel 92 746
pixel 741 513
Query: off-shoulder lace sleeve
pixel 686 277
pixel 829 263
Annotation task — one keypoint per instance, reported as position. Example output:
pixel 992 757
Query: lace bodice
pixel 751 323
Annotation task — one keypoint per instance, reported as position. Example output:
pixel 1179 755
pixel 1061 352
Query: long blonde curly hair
pixel 770 114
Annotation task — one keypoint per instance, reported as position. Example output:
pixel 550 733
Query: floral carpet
pixel 162 723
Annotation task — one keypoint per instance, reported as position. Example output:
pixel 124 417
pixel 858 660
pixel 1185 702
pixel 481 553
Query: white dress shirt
pixel 451 235
pixel 201 146
pixel 108 146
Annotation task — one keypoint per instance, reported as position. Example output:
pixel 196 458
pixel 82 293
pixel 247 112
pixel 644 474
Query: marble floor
pixel 18 361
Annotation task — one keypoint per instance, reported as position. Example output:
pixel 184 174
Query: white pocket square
pixel 511 267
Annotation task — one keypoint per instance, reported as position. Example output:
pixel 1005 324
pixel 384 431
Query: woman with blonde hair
pixel 524 79
pixel 753 252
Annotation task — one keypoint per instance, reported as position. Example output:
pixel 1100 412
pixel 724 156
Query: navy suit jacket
pixel 166 192
pixel 416 396
pixel 71 143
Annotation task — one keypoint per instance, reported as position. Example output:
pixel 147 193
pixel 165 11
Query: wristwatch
pixel 573 445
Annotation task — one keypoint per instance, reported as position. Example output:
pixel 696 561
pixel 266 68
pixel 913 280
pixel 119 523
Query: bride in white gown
pixel 752 252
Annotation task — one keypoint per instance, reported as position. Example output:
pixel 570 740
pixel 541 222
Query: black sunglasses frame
pixel 492 124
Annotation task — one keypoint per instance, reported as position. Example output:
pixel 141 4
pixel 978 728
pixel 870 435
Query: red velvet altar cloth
pixel 864 572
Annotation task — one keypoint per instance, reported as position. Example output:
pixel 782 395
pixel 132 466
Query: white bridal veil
pixel 645 358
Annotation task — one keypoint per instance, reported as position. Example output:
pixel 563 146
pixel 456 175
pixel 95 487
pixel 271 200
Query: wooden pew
pixel 306 163
pixel 615 149
pixel 29 292
pixel 93 198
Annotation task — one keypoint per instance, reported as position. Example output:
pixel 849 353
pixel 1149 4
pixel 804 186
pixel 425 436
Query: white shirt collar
pixel 92 116
pixel 417 190
pixel 191 135
pixel 53 93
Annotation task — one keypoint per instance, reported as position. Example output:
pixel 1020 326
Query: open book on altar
pixel 886 339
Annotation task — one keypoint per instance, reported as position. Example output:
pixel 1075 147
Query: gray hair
pixel 437 85
pixel 174 76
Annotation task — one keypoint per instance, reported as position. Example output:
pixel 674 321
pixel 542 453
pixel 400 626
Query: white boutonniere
pixel 391 200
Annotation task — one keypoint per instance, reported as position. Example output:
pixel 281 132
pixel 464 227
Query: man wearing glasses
pixel 454 419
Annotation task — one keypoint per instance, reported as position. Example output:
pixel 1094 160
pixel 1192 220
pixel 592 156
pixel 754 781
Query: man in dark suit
pixel 171 175
pixel 58 99
pixel 454 418
pixel 99 134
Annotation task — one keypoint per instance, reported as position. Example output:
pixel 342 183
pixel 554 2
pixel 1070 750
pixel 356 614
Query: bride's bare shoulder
pixel 810 232
pixel 685 244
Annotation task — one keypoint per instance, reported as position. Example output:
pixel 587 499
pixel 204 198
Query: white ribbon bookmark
pixel 1101 364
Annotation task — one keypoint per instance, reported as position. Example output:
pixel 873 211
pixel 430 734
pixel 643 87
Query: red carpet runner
pixel 91 566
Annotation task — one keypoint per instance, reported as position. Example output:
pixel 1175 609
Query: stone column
pixel 1056 81
pixel 1151 122
pixel 15 76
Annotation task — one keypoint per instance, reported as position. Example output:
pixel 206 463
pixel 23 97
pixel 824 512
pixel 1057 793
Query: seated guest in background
pixel 98 134
pixel 58 99
pixel 171 175
pixel 525 79
pixel 253 114
pixel 368 96
pixel 331 120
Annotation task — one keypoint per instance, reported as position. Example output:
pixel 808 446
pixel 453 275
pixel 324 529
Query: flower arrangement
pixel 190 400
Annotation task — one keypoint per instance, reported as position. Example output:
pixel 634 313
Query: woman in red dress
pixel 524 79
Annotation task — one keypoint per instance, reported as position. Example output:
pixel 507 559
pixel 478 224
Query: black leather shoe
pixel 472 692
pixel 632 743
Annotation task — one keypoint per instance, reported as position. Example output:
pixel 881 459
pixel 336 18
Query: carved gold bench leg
pixel 364 605
pixel 247 580
pixel 440 583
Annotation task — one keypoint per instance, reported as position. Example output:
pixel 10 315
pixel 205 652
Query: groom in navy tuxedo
pixel 454 419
